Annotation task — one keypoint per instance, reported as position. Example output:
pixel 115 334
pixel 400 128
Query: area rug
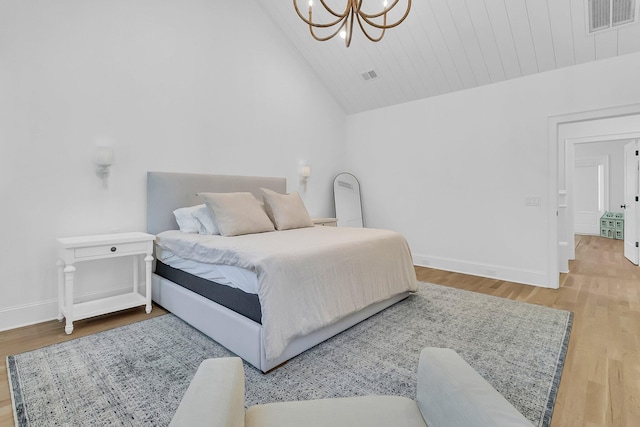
pixel 136 375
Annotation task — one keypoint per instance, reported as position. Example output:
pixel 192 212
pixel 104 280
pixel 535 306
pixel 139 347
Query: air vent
pixel 606 14
pixel 369 75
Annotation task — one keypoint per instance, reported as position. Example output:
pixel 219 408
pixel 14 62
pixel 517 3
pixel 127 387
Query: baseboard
pixel 44 311
pixel 527 277
pixel 28 314
pixel 586 230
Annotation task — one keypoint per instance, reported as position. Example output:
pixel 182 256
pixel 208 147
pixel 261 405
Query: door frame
pixel 558 197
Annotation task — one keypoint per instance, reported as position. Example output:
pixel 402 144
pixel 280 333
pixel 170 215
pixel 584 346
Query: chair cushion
pixel 452 394
pixel 215 397
pixel 365 411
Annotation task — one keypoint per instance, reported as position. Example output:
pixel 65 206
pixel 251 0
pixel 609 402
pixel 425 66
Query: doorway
pixel 606 181
pixel 614 146
pixel 564 131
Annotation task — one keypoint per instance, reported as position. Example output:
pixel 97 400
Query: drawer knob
pixel 113 249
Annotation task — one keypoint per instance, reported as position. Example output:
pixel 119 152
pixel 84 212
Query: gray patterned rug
pixel 136 375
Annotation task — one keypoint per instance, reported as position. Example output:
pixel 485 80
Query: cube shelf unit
pixel 612 225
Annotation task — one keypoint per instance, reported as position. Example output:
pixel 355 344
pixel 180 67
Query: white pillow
pixel 186 222
pixel 237 213
pixel 206 220
pixel 286 211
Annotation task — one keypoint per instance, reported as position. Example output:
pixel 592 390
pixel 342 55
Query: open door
pixel 631 193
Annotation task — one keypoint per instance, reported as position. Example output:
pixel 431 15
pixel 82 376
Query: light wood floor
pixel 600 383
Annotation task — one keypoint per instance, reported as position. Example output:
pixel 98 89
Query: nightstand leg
pixel 135 273
pixel 148 259
pixel 60 265
pixel 68 297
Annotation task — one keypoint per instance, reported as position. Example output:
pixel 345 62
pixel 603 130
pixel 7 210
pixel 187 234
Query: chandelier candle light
pixel 352 12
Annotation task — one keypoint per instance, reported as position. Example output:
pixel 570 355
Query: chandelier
pixel 342 22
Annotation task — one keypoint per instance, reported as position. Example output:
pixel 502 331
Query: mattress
pixel 228 275
pixel 246 304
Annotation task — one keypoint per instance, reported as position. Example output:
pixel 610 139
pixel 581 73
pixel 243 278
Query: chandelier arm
pixel 379 14
pixel 386 26
pixel 350 31
pixel 308 21
pixel 331 11
pixel 330 36
pixel 366 33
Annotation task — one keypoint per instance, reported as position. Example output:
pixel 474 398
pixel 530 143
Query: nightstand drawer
pixel 117 249
pixel 325 222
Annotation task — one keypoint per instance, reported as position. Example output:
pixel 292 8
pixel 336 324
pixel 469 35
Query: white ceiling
pixel 450 45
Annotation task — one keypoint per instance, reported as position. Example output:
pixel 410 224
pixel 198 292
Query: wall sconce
pixel 305 173
pixel 103 159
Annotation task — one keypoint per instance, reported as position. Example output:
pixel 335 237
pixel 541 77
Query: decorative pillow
pixel 237 213
pixel 206 220
pixel 186 222
pixel 286 211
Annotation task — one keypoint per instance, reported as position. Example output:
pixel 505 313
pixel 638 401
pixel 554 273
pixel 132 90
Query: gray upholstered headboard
pixel 167 192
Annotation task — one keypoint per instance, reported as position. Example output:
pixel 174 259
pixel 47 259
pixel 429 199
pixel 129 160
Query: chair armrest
pixel 215 397
pixel 452 393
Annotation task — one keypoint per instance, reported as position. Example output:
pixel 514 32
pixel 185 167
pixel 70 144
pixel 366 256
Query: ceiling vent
pixel 606 14
pixel 369 75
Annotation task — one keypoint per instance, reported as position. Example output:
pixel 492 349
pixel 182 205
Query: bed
pixel 302 298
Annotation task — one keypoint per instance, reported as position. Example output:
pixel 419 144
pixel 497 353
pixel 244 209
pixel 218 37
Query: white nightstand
pixel 325 222
pixel 88 248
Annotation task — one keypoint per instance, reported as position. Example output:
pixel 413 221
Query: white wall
pixel 453 172
pixel 190 86
pixel 615 151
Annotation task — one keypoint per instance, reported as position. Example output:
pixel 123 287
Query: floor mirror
pixel 346 192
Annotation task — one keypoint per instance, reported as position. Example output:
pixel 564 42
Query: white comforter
pixel 308 277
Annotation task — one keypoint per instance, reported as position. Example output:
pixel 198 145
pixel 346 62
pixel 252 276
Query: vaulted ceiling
pixel 450 45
